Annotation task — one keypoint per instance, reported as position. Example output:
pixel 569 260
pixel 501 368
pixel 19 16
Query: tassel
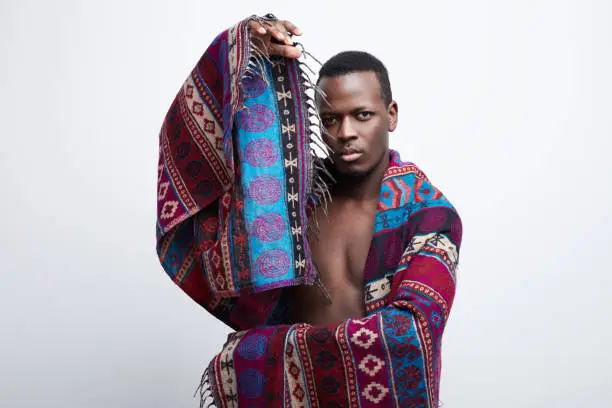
pixel 205 391
pixel 302 64
pixel 312 56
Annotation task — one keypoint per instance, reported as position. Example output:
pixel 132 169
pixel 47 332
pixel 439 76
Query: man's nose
pixel 347 130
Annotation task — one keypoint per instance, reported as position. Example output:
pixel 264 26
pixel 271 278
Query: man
pixel 351 316
pixel 357 115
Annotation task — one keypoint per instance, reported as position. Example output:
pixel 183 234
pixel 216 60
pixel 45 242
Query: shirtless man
pixel 358 115
pixel 386 249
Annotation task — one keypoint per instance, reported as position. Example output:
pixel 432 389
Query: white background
pixel 506 105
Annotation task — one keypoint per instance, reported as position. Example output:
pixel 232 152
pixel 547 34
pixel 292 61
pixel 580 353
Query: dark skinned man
pixel 339 291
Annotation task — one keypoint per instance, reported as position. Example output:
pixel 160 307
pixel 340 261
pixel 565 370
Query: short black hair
pixel 348 62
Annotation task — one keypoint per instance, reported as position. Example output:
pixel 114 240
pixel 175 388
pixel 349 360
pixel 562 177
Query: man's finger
pixel 292 28
pixel 257 27
pixel 279 35
pixel 285 51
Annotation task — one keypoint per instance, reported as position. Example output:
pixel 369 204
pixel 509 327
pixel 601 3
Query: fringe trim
pixel 318 175
pixel 254 57
pixel 205 389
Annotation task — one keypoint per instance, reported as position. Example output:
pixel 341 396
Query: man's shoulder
pixel 407 185
pixel 404 170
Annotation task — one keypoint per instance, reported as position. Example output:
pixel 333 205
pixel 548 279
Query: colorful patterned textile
pixel 236 180
pixel 391 357
pixel 236 175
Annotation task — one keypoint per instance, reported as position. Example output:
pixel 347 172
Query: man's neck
pixel 365 188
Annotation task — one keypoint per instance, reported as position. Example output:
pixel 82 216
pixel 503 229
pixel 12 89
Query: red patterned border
pixel 370 307
pixel 209 101
pixel 364 356
pixel 441 253
pixel 425 339
pixel 208 151
pixel 300 337
pixel 175 177
pixel 407 169
pixel 349 366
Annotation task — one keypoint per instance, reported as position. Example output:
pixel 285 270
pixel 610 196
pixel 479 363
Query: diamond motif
pixel 226 200
pixel 163 189
pixel 289 350
pixel 220 281
pixel 294 370
pixel 371 365
pixel 375 392
pixel 364 337
pixel 209 126
pixel 168 210
pixel 197 108
pixel 189 91
pixel 216 259
pixel 299 393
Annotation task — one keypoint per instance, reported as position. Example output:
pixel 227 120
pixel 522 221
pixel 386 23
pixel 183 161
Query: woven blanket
pixel 237 174
pixel 237 179
pixel 389 358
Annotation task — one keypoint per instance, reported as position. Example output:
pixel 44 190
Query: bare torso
pixel 339 252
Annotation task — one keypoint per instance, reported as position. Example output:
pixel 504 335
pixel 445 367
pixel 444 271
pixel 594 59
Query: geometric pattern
pixel 294 371
pixel 392 356
pixel 369 357
pixel 371 365
pixel 375 392
pixel 376 292
pixel 168 209
pixel 235 144
pixel 209 168
pixel 364 337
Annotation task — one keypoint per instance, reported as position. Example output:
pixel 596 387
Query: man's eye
pixel 364 115
pixel 328 121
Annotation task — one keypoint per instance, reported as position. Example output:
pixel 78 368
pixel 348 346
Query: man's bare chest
pixel 339 250
pixel 341 246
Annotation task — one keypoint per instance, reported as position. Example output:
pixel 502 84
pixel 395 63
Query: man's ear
pixel 392 112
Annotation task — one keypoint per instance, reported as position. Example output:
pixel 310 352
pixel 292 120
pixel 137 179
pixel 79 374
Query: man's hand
pixel 276 37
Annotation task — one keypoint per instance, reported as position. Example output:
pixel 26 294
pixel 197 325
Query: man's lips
pixel 350 156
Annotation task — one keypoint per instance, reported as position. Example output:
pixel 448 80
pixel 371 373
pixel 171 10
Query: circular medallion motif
pixel 253 347
pixel 261 153
pixel 265 189
pixel 193 168
pixel 251 383
pixel 204 188
pixel 255 118
pixel 253 86
pixel 269 227
pixel 272 263
pixel 182 150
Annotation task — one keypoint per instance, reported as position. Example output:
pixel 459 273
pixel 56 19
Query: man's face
pixel 357 121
